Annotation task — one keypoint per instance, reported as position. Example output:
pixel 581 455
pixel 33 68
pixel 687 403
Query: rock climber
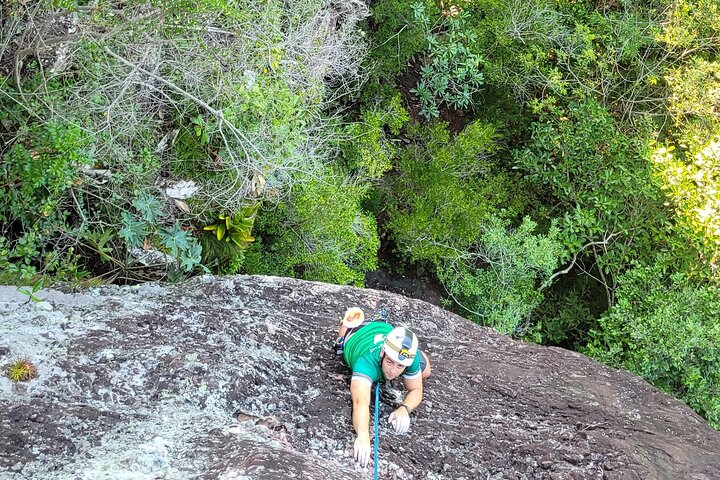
pixel 376 351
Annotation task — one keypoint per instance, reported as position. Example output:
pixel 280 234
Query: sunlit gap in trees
pixel 690 179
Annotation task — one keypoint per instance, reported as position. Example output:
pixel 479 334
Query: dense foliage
pixel 553 165
pixel 230 100
pixel 665 329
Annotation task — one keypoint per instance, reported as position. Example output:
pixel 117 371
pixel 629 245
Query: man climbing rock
pixel 376 352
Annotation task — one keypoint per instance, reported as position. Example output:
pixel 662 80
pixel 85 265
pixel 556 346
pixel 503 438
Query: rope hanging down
pixel 377 408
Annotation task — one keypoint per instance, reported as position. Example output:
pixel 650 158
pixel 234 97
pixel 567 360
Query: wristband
pixel 407 409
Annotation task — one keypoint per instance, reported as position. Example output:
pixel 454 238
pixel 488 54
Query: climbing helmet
pixel 401 344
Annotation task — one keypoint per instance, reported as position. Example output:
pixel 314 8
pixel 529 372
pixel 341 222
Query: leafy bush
pixel 447 205
pixel 321 233
pixel 368 152
pixel 580 155
pixel 223 247
pixel 147 229
pixel 451 71
pixel 569 50
pixel 16 259
pixel 39 170
pixel 569 310
pixel 40 167
pixel 444 188
pixel 692 25
pixel 690 180
pixel 396 39
pixel 665 329
pixel 522 43
pixel 496 280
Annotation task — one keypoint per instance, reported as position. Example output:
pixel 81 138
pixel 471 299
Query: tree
pixel 603 188
pixel 496 280
pixel 665 329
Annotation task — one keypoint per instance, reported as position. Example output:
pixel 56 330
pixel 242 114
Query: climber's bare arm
pixel 360 393
pixel 414 396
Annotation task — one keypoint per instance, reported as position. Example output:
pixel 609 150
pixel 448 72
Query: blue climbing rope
pixel 377 409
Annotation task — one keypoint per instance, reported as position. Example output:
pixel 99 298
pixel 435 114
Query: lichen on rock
pixel 234 377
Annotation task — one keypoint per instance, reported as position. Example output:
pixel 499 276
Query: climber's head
pixel 399 350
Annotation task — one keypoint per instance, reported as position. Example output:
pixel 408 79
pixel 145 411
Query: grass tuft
pixel 21 370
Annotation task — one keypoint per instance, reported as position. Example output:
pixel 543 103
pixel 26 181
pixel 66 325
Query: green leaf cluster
pixel 691 25
pixel 579 154
pixel 225 243
pixel 690 183
pixel 40 169
pixel 496 282
pixel 449 206
pixel 665 329
pixel 444 188
pixel 236 228
pixel 396 38
pixel 368 151
pixel 148 228
pixel 41 166
pixel 451 70
pixel 321 233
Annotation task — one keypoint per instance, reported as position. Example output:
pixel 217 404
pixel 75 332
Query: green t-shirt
pixel 363 349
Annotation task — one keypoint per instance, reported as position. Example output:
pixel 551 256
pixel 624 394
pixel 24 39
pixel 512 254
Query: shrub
pixel 665 329
pixel 443 188
pixel 368 152
pixel 396 38
pixel 568 311
pixel 39 169
pixel 448 204
pixel 692 25
pixel 224 244
pixel 496 281
pixel 522 43
pixel 451 70
pixel 694 96
pixel 581 156
pixel 321 233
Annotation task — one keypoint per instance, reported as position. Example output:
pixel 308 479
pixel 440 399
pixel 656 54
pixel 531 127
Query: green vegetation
pixel 451 73
pixel 552 165
pixel 233 100
pixel 666 330
pixel 320 233
pixel 21 370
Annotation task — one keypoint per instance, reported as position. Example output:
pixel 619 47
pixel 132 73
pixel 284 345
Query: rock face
pixel 234 378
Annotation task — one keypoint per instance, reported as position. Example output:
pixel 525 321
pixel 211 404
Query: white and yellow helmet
pixel 401 344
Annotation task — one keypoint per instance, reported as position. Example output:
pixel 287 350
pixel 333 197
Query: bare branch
pixel 566 270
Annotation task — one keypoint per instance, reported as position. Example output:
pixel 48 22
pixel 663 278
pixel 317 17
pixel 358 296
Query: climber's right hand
pixel 362 450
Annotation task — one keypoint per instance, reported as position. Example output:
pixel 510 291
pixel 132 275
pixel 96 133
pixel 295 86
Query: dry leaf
pixel 182 205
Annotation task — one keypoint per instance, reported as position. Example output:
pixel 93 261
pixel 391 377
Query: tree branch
pixel 566 270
